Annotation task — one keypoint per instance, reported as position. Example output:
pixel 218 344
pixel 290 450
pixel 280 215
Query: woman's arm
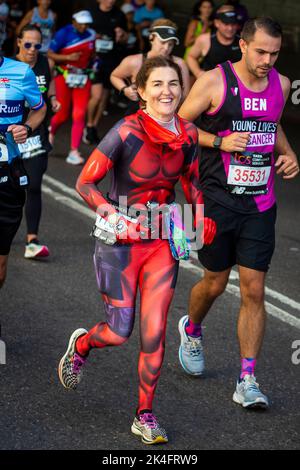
pixel 96 168
pixel 190 34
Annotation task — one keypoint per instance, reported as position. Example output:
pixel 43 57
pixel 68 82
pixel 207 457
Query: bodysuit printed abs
pixel 146 161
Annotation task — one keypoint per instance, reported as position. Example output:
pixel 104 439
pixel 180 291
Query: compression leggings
pixel 35 167
pixel 120 271
pixel 78 98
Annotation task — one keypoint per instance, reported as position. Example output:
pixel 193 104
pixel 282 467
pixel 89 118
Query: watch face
pixel 217 142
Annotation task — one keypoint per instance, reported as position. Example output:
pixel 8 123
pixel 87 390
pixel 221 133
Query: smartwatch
pixel 29 130
pixel 217 142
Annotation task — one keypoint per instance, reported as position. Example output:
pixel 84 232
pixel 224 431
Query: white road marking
pixel 63 187
pixel 231 288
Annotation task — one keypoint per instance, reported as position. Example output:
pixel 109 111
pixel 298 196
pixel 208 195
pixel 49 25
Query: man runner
pixel 214 48
pixel 240 106
pixel 17 85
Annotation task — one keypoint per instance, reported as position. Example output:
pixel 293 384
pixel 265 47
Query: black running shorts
pixel 12 200
pixel 103 75
pixel 244 239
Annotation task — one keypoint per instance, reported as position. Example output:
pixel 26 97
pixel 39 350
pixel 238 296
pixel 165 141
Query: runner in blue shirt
pixel 17 86
pixel 143 17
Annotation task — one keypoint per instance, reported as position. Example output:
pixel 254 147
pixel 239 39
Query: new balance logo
pixel 238 190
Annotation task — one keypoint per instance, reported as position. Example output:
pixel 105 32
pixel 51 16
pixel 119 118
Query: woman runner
pixel 36 148
pixel 43 17
pixel 148 153
pixel 72 49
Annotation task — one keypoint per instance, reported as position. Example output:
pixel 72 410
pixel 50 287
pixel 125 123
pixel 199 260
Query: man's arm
pixel 35 118
pixel 287 162
pixel 63 58
pixel 206 95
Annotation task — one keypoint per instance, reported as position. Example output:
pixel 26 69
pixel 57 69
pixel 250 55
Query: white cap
pixel 83 17
pixel 127 8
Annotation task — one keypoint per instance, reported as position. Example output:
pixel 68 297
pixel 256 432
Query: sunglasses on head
pixel 29 45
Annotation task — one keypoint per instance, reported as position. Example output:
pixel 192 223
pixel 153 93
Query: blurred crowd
pixel 120 35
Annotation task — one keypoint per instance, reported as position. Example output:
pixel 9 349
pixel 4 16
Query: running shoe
pixel 35 250
pixel 74 158
pixel 90 136
pixel 191 355
pixel 70 366
pixel 248 395
pixel 147 427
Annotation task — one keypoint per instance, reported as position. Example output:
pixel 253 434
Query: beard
pixel 258 72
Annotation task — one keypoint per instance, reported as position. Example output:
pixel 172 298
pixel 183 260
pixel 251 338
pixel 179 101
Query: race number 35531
pixel 248 176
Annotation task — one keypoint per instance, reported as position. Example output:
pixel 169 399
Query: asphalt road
pixel 44 301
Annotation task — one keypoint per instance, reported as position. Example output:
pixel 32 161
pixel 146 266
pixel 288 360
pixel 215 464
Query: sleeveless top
pixel 243 182
pixel 46 25
pixel 218 53
pixel 197 33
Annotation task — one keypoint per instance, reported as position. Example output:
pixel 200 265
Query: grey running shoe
pixel 70 366
pixel 191 355
pixel 248 395
pixel 147 427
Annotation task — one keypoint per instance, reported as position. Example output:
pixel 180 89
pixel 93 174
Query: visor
pixel 165 33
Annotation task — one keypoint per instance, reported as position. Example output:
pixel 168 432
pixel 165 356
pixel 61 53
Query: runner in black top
pixel 35 150
pixel 240 105
pixel 214 49
pixel 110 25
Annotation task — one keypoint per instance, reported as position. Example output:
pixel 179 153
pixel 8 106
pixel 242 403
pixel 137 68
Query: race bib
pixel 3 153
pixel 249 173
pixel 104 45
pixel 76 80
pixel 31 144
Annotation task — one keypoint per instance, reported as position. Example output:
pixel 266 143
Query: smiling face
pixel 261 53
pixel 162 93
pixel 227 31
